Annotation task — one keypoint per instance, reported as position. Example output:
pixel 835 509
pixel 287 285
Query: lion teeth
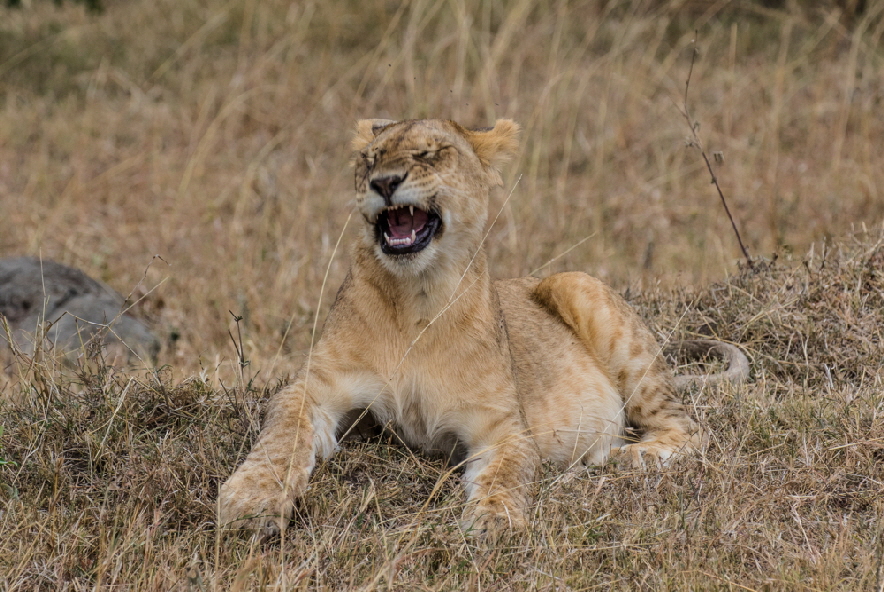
pixel 391 208
pixel 405 241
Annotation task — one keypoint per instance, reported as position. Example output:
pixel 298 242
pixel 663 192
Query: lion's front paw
pixel 492 520
pixel 255 500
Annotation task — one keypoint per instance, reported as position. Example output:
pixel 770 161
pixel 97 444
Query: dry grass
pixel 113 476
pixel 215 135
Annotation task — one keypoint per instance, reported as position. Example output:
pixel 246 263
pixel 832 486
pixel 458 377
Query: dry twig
pixel 696 143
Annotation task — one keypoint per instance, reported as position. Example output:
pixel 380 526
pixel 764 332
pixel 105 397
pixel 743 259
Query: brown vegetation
pixel 216 136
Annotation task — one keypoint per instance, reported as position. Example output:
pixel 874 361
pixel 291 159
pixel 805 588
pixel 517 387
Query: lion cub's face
pixel 422 188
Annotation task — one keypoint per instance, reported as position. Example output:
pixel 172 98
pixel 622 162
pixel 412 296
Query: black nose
pixel 386 186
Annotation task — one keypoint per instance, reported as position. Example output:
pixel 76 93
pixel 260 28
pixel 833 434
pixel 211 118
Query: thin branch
pixel 696 143
pixel 240 350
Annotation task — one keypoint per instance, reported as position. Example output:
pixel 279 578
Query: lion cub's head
pixel 422 187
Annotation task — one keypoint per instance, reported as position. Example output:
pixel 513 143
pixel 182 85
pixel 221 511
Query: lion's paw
pixel 491 521
pixel 256 501
pixel 642 454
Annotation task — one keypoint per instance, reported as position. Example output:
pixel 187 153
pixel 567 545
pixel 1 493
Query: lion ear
pixel 367 130
pixel 496 145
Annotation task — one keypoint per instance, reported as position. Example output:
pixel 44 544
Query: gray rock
pixel 79 308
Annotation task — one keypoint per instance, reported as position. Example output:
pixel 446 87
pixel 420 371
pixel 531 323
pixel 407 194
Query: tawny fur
pixel 503 374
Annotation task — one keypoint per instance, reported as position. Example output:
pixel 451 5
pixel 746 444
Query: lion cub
pixel 501 374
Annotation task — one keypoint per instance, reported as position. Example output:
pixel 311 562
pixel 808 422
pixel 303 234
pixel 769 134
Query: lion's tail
pixel 737 370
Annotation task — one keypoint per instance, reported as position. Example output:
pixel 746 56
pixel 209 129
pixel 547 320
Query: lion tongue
pixel 404 221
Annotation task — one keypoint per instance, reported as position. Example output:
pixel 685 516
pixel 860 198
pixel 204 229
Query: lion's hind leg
pixel 617 337
pixel 655 408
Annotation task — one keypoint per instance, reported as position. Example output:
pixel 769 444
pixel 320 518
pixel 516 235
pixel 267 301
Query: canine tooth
pixel 387 238
pixel 413 236
pixel 411 210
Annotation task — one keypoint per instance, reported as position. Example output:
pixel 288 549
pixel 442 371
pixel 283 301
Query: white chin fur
pixel 407 265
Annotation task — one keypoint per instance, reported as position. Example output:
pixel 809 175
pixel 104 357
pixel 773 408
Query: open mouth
pixel 406 229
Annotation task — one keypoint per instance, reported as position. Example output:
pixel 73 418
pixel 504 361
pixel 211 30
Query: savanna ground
pixel 215 135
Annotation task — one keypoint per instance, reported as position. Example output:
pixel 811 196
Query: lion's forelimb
pixel 500 467
pixel 301 425
pixel 261 493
